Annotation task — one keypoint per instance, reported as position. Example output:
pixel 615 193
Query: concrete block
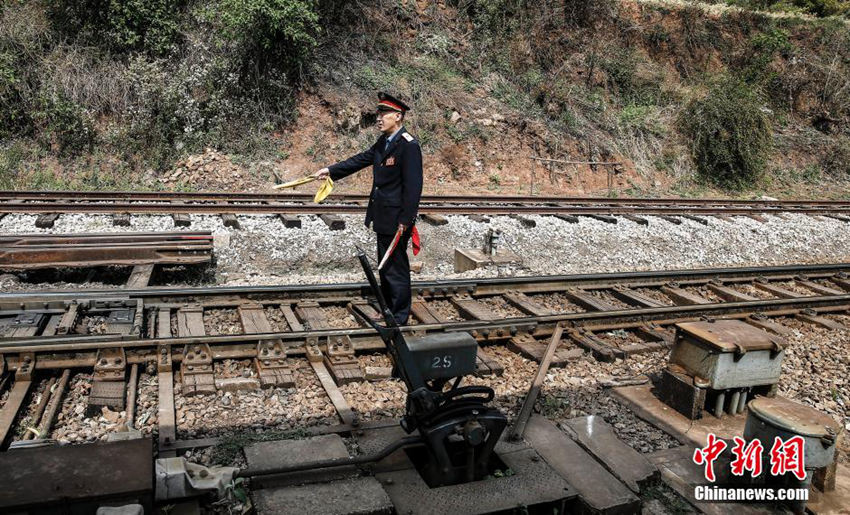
pixel 236 384
pixel 361 495
pixel 284 453
pixel 377 373
pixel 471 259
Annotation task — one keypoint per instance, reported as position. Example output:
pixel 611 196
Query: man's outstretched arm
pixel 349 166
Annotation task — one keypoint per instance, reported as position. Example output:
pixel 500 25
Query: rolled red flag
pixel 414 239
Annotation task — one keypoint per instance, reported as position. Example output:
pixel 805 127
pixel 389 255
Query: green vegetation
pixel 820 8
pixel 730 134
pixel 104 93
pixel 120 25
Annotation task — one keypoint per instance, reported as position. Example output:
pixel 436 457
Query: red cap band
pixel 391 104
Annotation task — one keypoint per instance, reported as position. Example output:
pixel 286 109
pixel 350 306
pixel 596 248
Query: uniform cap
pixel 387 102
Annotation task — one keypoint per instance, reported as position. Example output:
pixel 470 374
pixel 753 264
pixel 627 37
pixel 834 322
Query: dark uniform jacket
pixel 396 181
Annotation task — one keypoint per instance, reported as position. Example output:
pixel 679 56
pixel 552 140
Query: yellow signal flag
pixel 324 190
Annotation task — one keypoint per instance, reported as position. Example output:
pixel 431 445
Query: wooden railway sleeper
pixel 341 362
pixel 108 385
pixel 271 366
pixel 196 370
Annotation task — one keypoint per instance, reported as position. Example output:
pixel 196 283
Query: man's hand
pixel 402 227
pixel 322 174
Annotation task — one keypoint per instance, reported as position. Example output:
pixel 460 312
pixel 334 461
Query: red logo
pixel 785 456
pixel 708 454
pixel 788 456
pixel 747 458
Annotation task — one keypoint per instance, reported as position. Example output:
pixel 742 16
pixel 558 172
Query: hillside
pixel 682 98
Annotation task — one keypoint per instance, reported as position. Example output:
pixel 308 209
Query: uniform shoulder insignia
pixel 407 136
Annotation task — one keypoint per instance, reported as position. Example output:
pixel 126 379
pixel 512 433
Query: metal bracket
pixel 340 347
pixel 26 366
pixel 197 370
pixel 28 320
pixel 271 366
pixel 69 319
pixel 197 359
pixel 110 364
pixel 311 347
pixel 270 350
pixel 163 363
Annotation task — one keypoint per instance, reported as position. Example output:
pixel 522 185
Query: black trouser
pixel 395 276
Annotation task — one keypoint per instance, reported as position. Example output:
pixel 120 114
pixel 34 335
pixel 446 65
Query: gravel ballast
pixel 263 251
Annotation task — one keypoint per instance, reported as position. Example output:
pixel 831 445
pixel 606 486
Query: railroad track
pixel 185 331
pixel 122 203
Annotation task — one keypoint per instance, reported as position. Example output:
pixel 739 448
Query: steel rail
pixel 619 317
pixel 133 196
pixel 446 209
pixel 483 286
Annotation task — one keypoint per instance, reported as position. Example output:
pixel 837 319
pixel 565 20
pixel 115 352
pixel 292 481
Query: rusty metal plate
pixel 73 474
pixel 729 335
pixel 107 393
pixel 794 417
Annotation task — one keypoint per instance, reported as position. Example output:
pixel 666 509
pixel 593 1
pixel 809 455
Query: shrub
pixel 63 125
pixel 150 25
pixel 12 103
pixel 270 32
pixel 730 134
pixel 835 161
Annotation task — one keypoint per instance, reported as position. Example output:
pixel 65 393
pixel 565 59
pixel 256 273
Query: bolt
pixel 190 356
pixel 103 361
pixel 204 356
pixel 27 359
pixel 190 367
pixel 513 330
pixel 162 350
pixel 266 362
pixel 118 361
pixel 265 351
pixel 197 348
pixel 277 352
pixel 280 361
pixel 535 458
pixel 388 481
pixel 500 332
pixel 339 339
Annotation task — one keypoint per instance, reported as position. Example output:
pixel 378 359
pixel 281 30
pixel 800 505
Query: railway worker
pixel 396 161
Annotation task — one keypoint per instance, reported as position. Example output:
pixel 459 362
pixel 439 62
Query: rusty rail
pixel 32 251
